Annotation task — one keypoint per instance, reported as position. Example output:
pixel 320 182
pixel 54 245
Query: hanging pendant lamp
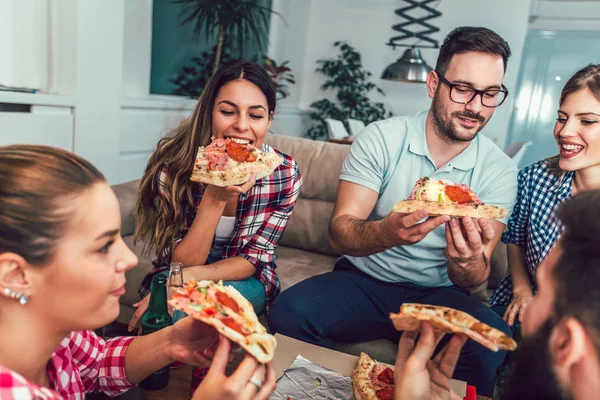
pixel 411 67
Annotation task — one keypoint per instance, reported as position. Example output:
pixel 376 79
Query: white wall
pixel 103 47
pixel 366 24
pixel 22 42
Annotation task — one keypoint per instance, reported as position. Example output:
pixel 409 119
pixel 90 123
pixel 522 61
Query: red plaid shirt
pixel 262 215
pixel 83 363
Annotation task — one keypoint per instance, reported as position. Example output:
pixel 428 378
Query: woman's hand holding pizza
pixel 521 297
pixel 228 192
pixel 467 246
pixel 406 229
pixel 251 380
pixel 418 377
pixel 193 342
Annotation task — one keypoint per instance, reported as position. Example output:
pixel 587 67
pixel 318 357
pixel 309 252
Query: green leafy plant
pixel 192 78
pixel 347 76
pixel 242 20
pixel 282 76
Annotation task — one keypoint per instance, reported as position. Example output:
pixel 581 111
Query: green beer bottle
pixel 157 317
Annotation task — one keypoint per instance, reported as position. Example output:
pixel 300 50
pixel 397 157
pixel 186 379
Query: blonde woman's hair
pixel 36 185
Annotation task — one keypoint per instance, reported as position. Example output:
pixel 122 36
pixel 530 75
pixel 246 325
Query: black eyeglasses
pixel 464 94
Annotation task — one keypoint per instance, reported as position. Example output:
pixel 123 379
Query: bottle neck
pixel 175 275
pixel 158 297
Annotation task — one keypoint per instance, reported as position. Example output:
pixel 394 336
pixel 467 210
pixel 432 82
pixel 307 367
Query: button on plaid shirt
pixel 262 215
pixel 533 225
pixel 83 363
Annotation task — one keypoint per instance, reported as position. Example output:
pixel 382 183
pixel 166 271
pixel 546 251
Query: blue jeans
pixel 251 288
pixel 349 306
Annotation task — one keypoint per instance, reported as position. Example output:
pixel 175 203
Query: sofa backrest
pixel 320 165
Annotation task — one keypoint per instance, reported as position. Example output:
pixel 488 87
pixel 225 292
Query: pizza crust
pixel 453 210
pixel 361 378
pixel 236 173
pixel 258 343
pixel 449 320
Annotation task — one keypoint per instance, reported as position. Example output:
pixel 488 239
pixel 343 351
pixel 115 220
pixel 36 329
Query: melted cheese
pixel 433 190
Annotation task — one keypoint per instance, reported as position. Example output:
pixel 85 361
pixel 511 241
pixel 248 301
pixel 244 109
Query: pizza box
pixel 288 349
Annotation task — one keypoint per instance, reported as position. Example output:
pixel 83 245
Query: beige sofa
pixel 304 250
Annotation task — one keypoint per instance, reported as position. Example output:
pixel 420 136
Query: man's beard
pixel 532 375
pixel 446 129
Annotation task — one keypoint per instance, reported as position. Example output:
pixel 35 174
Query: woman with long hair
pixel 532 228
pixel 62 272
pixel 218 233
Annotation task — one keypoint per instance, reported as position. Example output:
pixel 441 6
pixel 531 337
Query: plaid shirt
pixel 532 225
pixel 262 215
pixel 83 363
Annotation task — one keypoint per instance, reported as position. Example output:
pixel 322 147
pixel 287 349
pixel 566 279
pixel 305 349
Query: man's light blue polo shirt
pixel 388 157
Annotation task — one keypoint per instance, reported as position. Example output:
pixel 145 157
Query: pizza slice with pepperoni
pixel 225 162
pixel 444 197
pixel 372 380
pixel 230 313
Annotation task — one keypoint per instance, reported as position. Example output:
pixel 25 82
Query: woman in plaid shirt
pixel 218 233
pixel 62 271
pixel 532 229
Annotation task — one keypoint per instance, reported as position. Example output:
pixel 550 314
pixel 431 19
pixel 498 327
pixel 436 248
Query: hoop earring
pixel 15 295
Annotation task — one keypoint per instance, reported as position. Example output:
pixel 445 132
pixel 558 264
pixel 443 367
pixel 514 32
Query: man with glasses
pixel 391 258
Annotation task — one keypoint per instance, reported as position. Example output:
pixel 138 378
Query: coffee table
pixel 287 351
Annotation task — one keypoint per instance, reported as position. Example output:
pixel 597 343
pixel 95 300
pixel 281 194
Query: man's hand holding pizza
pixel 468 240
pixel 417 376
pixel 407 229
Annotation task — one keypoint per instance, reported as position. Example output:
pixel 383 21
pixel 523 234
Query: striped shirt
pixel 83 363
pixel 261 217
pixel 533 225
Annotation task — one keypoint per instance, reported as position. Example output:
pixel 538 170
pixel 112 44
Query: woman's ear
pixel 432 82
pixel 14 274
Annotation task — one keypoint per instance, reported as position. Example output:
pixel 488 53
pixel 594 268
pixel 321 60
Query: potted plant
pixel 352 83
pixel 240 20
pixel 282 76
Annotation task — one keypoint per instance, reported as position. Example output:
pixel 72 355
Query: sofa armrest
pixel 127 195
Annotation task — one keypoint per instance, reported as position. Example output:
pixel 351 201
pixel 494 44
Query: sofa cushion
pixel 135 275
pixel 308 226
pixel 294 265
pixel 320 164
pixel 127 195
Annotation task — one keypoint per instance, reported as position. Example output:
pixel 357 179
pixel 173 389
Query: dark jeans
pixel 347 305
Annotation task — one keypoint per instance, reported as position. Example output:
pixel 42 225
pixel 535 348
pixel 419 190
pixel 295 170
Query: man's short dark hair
pixel 470 38
pixel 576 275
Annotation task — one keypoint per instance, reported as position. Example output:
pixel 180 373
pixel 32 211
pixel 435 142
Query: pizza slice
pixel 372 380
pixel 225 162
pixel 449 320
pixel 230 313
pixel 444 197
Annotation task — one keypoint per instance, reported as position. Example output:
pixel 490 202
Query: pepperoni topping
pixel 210 311
pixel 251 158
pixel 385 393
pixel 236 326
pixel 387 376
pixel 458 194
pixel 227 301
pixel 237 152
